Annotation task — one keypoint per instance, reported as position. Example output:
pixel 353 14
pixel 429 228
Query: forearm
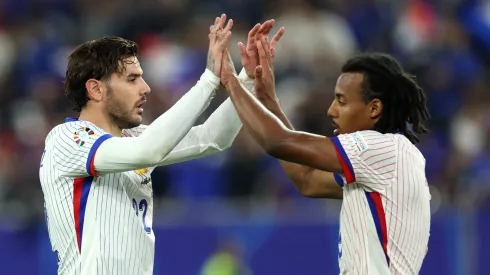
pixel 260 122
pixel 309 181
pixel 272 104
pixel 222 127
pixel 224 124
pixel 215 135
pixel 299 174
pixel 161 136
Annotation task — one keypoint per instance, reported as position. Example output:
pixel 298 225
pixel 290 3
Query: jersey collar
pixel 71 119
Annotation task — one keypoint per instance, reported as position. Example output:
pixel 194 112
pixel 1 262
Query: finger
pixel 270 26
pixel 243 52
pixel 265 44
pixel 225 41
pixel 267 50
pixel 254 30
pixel 212 30
pixel 252 33
pixel 267 26
pixel 265 29
pixel 227 38
pixel 258 72
pixel 262 55
pixel 229 25
pixel 277 37
pixel 261 30
pixel 222 21
pixel 216 28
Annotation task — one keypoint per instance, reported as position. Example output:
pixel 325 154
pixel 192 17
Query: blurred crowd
pixel 445 43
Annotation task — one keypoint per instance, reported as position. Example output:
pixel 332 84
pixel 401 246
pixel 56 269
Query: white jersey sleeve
pixel 161 136
pixel 190 138
pixel 134 132
pixel 213 136
pixel 73 146
pixel 247 82
pixel 367 158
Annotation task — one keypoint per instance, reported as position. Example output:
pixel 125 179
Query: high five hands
pixel 219 39
pixel 257 59
pixel 249 54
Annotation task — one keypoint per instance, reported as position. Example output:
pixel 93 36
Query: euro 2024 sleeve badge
pixel 82 135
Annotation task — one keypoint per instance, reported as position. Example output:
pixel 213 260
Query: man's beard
pixel 118 114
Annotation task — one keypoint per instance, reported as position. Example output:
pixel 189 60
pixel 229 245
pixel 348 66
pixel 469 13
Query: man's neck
pixel 101 121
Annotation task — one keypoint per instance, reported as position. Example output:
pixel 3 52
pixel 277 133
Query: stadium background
pixel 238 208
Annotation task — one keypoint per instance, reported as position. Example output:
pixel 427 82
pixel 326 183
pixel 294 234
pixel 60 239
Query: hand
pixel 249 55
pixel 264 73
pixel 228 71
pixel 218 40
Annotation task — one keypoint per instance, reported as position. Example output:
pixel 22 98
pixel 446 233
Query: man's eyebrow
pixel 135 75
pixel 339 94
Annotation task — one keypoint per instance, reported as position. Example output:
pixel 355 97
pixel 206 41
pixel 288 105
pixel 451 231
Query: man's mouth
pixel 336 127
pixel 140 106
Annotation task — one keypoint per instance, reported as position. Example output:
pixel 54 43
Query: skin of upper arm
pixel 312 150
pixel 319 184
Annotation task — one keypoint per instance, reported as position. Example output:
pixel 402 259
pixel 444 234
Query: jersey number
pixel 142 207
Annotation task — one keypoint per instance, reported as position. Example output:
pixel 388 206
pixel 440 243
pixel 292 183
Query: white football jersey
pixel 97 225
pixel 385 216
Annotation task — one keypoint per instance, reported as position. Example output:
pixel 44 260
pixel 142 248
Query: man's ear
pixel 95 89
pixel 375 108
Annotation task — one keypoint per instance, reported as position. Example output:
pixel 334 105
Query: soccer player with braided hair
pixel 370 162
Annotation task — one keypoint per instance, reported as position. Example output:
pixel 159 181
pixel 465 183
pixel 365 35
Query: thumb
pixel 258 72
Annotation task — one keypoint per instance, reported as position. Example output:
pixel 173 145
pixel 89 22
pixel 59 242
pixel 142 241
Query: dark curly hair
pixel 404 101
pixel 96 59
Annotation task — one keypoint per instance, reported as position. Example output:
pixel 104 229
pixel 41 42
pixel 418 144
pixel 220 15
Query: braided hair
pixel 404 101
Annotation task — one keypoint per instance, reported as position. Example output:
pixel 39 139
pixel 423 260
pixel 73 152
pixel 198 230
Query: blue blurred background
pixel 238 210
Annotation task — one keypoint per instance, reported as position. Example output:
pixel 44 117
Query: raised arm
pixel 215 135
pixel 268 130
pixel 161 136
pixel 221 128
pixel 279 141
pixel 309 181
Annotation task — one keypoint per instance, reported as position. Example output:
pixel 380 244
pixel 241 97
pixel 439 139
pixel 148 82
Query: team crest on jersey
pixel 359 141
pixel 144 172
pixel 82 135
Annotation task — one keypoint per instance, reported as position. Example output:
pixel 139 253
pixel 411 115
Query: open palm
pixel 249 54
pixel 218 41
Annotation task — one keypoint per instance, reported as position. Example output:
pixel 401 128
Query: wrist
pixel 231 83
pixel 208 75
